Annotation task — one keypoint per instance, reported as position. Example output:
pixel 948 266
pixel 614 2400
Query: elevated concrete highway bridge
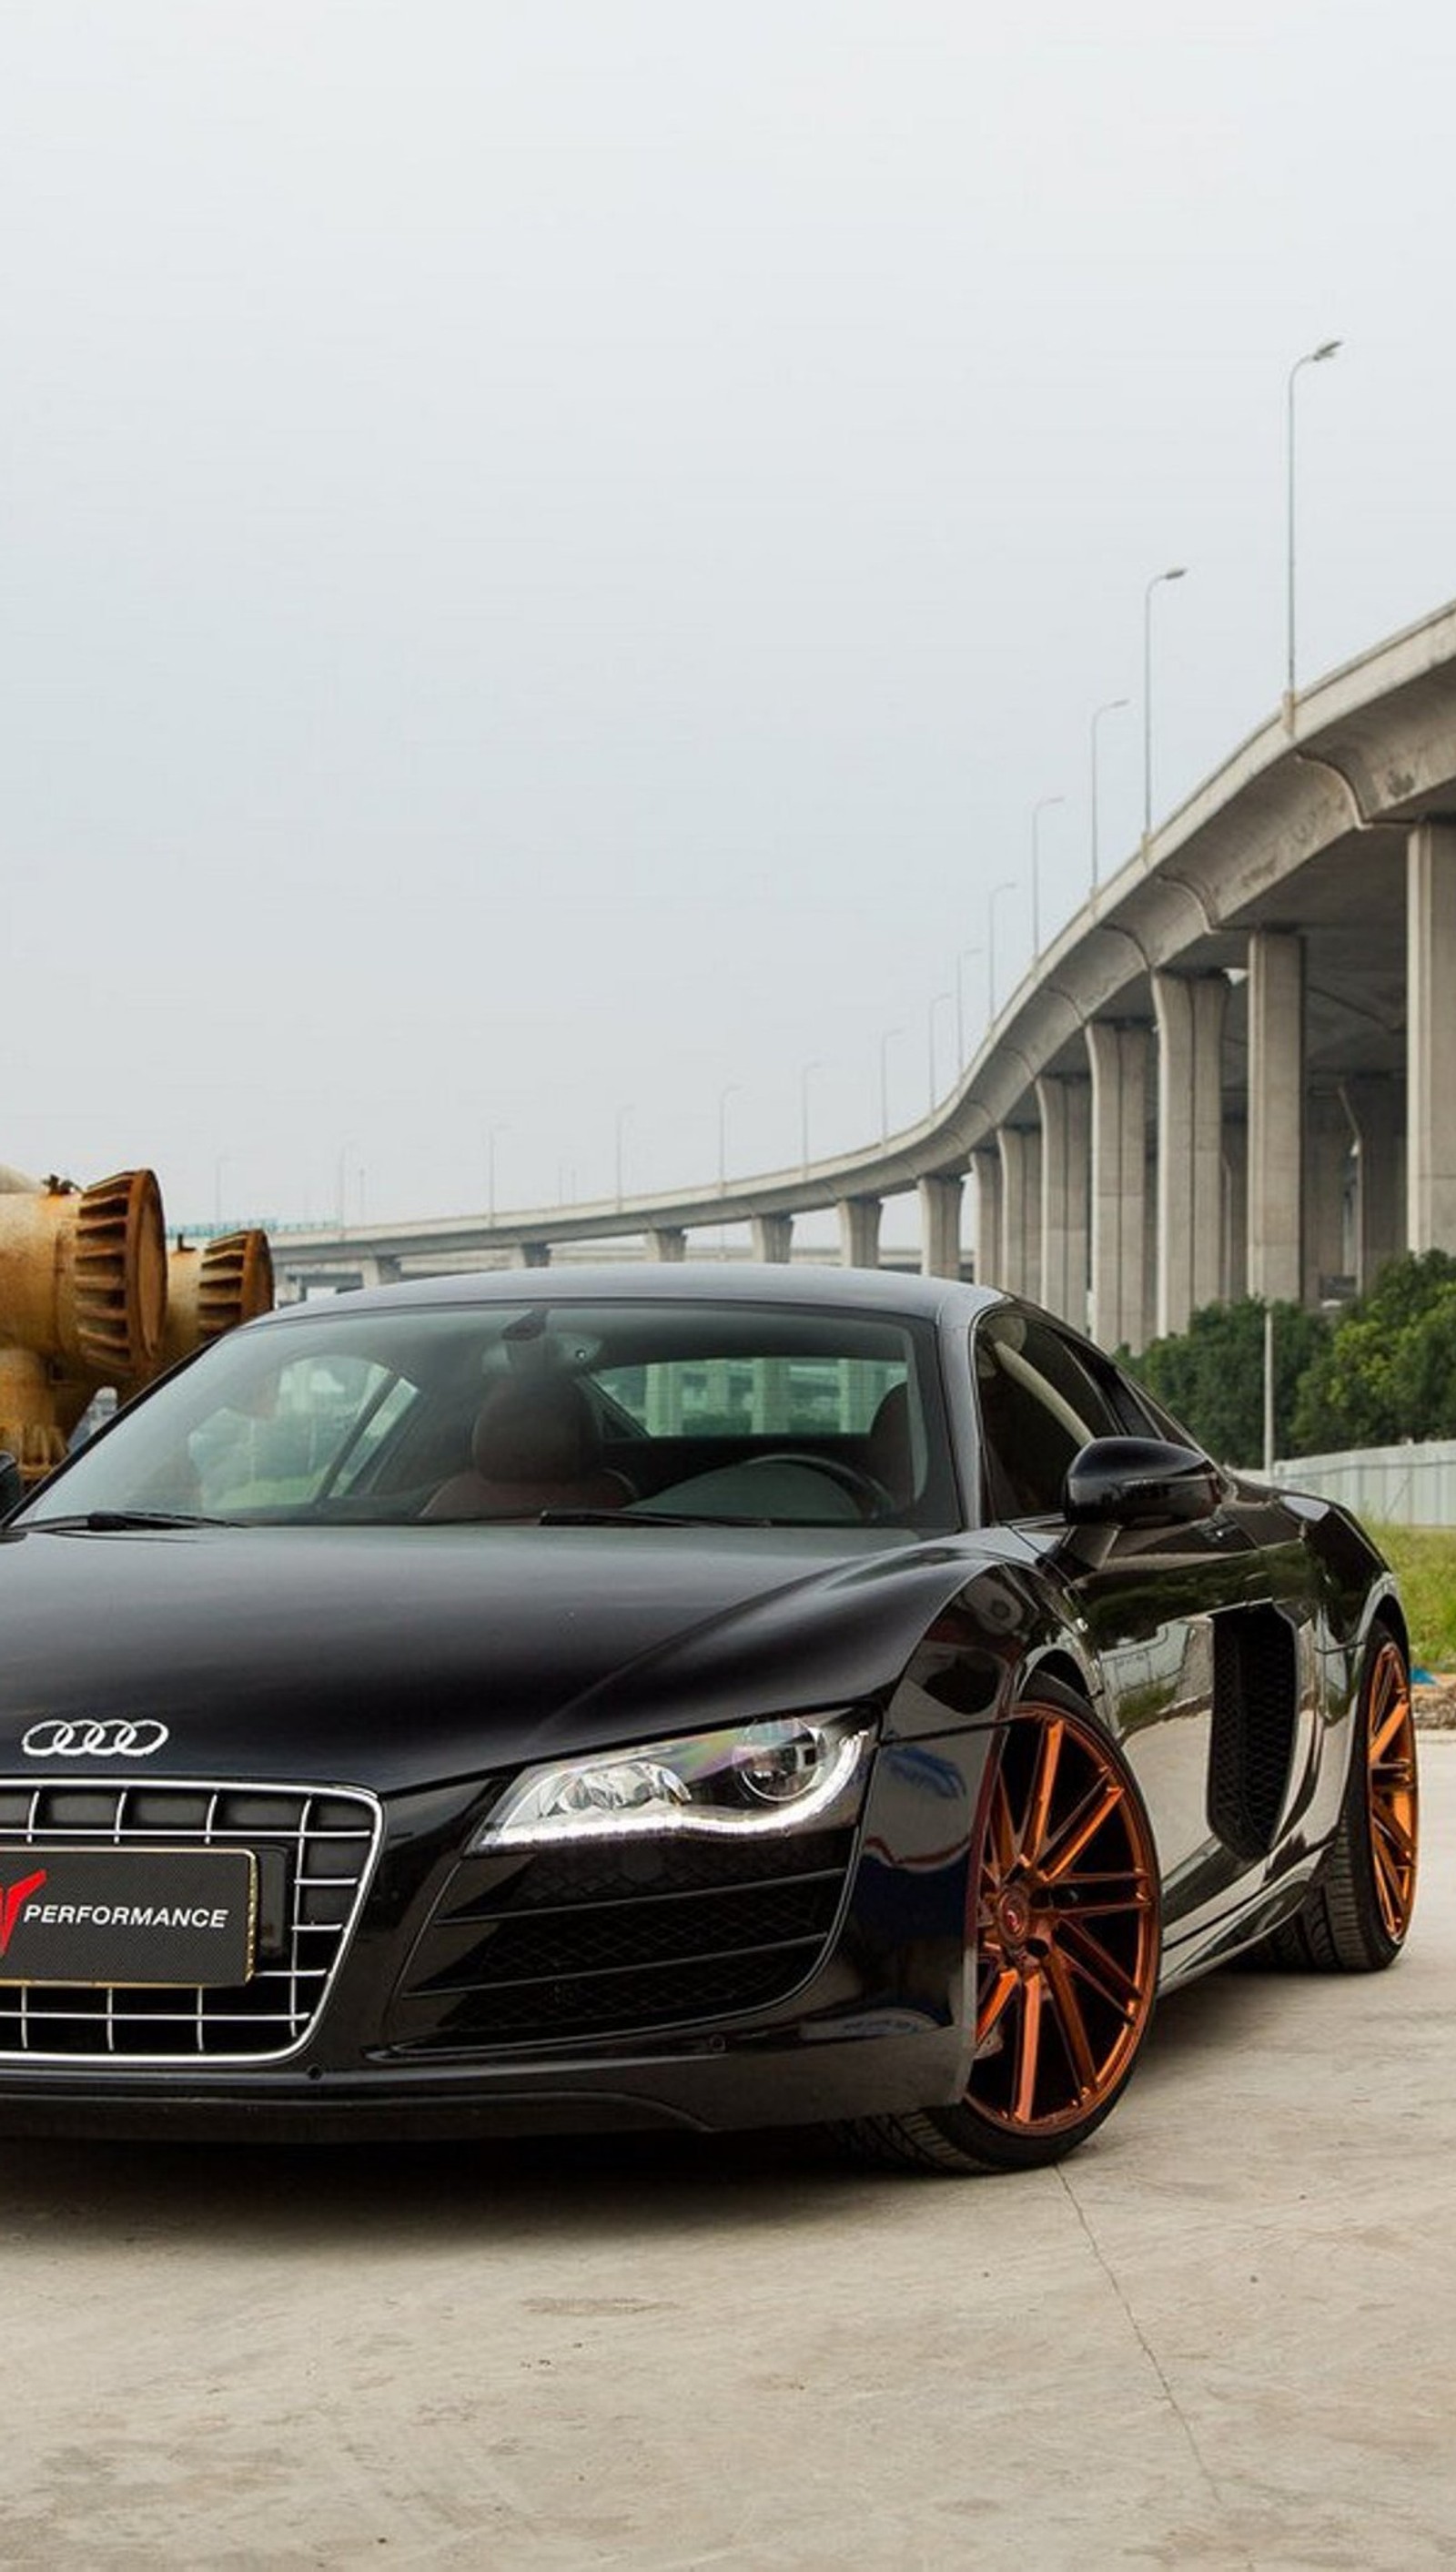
pixel 1233 1071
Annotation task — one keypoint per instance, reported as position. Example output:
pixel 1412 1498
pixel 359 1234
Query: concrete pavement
pixel 1222 2335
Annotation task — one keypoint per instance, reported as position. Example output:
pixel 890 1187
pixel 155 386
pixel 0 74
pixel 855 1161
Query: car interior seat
pixel 534 1446
pixel 887 1447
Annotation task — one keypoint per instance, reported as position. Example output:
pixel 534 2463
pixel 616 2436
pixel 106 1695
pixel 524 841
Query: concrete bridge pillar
pixel 986 1256
pixel 859 1232
pixel 1020 1147
pixel 667 1242
pixel 1276 1115
pixel 1376 1109
pixel 1189 1009
pixel 664 1402
pixel 1065 1159
pixel 380 1271
pixel 1118 1058
pixel 773 1238
pixel 1431 1036
pixel 532 1254
pixel 1328 1246
pixel 940 1226
pixel 1235 1210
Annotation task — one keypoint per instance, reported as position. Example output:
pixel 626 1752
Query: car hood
pixel 384 1656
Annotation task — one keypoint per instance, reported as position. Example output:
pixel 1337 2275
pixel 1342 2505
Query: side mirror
pixel 12 1489
pixel 1139 1482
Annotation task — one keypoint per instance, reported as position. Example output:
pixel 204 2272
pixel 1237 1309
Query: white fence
pixel 1412 1485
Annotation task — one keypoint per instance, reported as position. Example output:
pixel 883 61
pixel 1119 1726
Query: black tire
pixel 1061 1839
pixel 1355 1915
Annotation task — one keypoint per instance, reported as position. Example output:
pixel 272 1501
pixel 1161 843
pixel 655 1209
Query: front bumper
pixel 742 2085
pixel 479 1999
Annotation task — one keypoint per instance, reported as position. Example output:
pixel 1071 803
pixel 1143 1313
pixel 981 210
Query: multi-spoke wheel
pixel 1355 1918
pixel 1065 1922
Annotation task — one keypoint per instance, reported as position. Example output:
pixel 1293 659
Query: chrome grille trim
pixel 27 2009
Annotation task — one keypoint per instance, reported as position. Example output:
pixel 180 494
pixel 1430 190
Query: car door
pixel 1205 1631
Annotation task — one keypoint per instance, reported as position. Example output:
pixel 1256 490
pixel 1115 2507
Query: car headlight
pixel 787 1776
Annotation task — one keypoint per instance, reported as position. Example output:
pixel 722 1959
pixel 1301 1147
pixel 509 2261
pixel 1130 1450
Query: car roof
pixel 858 1290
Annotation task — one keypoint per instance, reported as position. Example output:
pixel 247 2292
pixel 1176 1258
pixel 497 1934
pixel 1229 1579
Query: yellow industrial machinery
pixel 89 1296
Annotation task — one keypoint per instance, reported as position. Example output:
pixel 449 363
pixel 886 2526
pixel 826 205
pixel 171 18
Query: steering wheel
pixel 870 1496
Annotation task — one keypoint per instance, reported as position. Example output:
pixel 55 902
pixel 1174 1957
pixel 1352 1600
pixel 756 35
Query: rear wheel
pixel 1064 1916
pixel 1355 1918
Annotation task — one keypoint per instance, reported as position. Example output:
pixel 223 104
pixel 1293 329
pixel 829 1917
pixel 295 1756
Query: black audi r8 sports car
pixel 690 1695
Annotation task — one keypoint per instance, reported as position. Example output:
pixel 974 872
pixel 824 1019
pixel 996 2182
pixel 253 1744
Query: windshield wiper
pixel 119 1522
pixel 647 1517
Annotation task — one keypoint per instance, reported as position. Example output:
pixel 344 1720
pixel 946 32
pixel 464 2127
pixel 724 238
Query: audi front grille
pixel 314 1849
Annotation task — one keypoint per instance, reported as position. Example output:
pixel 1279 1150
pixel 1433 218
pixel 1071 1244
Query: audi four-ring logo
pixel 55 1739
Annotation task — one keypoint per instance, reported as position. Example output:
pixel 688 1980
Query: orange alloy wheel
pixel 1390 1788
pixel 1065 1921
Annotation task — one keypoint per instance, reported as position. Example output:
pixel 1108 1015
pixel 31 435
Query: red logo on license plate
pixel 12 1898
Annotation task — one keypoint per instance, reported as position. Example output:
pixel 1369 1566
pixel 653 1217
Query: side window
pixel 1147 1418
pixel 375 1428
pixel 292 1443
pixel 1039 1402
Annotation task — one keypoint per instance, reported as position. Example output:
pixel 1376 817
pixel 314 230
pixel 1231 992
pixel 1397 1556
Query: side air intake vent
pixel 1255 1696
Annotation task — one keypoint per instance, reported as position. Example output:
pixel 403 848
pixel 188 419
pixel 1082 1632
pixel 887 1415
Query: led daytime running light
pixel 761 1781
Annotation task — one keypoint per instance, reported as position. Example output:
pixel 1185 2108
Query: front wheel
pixel 1355 1918
pixel 1065 1915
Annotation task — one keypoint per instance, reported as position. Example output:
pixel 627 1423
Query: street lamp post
pixel 1160 578
pixel 804 1078
pixel 993 898
pixel 1313 357
pixel 930 1039
pixel 961 963
pixel 724 1095
pixel 1111 707
pixel 1044 804
pixel 886 1043
pixel 623 1115
pixel 490 1133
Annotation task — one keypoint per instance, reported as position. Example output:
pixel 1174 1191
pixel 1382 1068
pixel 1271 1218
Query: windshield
pixel 744 1412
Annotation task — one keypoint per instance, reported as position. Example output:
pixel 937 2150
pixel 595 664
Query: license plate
pixel 134 1916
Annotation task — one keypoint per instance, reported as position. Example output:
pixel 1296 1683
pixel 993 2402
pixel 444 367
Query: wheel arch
pixel 1385 1610
pixel 1062 1666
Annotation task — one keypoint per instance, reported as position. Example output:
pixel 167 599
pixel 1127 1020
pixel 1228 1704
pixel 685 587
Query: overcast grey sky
pixel 548 550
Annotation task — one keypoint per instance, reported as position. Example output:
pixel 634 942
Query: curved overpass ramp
pixel 1234 1070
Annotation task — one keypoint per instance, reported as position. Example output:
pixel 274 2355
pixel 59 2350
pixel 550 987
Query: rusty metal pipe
pixel 83 1274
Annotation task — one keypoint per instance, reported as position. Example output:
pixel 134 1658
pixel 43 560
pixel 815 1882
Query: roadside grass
pixel 1424 1562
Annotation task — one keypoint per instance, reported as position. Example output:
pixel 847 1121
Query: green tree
pixel 1212 1376
pixel 1388 1370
